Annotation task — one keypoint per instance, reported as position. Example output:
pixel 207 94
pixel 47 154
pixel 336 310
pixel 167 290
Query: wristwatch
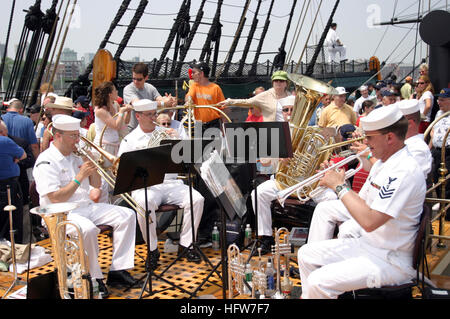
pixel 339 188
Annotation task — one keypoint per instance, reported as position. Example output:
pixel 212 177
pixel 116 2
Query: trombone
pixel 301 187
pixel 104 174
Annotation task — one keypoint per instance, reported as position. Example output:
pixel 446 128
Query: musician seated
pixel 61 176
pixel 171 191
pixel 388 209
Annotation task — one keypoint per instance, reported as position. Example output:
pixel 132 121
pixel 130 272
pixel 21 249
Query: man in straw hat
pixel 61 176
pixel 388 208
pixel 62 105
pixel 171 191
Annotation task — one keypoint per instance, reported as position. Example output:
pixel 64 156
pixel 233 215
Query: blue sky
pixel 93 17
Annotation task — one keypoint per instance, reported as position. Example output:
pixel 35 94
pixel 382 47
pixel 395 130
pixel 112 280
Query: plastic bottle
pixel 95 290
pixel 215 239
pixel 248 235
pixel 248 274
pixel 270 276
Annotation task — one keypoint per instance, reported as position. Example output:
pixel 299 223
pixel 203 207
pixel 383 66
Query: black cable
pixel 2 67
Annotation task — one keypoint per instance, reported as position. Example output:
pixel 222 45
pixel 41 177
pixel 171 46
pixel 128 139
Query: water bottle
pixel 95 290
pixel 248 235
pixel 248 274
pixel 270 276
pixel 215 239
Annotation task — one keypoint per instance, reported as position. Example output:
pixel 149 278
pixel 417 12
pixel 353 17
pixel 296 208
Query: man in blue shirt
pixel 10 155
pixel 21 126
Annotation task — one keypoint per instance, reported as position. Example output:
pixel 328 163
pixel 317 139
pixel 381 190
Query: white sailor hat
pixel 61 102
pixel 381 118
pixel 409 106
pixel 66 123
pixel 290 100
pixel 145 105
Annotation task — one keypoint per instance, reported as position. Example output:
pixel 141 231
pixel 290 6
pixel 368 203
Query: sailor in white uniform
pixel 171 191
pixel 348 227
pixel 61 176
pixel 388 208
pixel 334 45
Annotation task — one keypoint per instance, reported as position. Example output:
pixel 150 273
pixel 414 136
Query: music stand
pixel 260 140
pixel 134 173
pixel 196 149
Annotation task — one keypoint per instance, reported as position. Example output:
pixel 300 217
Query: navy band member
pixel 171 191
pixel 61 176
pixel 388 209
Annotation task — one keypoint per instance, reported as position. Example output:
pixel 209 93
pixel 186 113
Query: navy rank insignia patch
pixel 386 191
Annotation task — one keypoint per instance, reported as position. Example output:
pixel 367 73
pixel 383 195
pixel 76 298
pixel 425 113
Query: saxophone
pixel 68 252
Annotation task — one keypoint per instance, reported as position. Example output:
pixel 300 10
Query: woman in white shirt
pixel 105 110
pixel 425 95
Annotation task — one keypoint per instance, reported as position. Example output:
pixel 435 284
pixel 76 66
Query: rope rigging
pixel 2 66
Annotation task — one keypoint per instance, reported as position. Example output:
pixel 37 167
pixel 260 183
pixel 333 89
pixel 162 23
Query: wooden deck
pixel 190 276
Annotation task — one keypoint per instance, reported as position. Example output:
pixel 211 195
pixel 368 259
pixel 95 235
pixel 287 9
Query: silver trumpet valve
pixel 284 194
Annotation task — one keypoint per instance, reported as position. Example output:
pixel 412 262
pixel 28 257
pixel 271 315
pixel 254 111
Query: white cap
pixel 145 105
pixel 381 118
pixel 409 106
pixel 341 90
pixel 290 100
pixel 363 87
pixel 66 123
pixel 10 101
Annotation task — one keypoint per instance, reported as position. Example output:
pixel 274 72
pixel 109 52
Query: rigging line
pixel 296 32
pixel 309 35
pixel 386 29
pixel 5 51
pixel 298 35
pixel 417 34
pixel 154 14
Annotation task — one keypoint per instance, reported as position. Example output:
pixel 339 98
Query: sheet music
pixel 219 180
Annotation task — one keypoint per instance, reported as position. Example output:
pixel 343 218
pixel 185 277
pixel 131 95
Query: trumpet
pixel 104 174
pixel 302 187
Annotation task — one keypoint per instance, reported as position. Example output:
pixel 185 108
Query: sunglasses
pixel 420 82
pixel 165 124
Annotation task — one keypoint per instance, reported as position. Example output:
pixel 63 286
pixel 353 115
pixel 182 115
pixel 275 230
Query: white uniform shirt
pixel 138 140
pixel 396 188
pixel 359 102
pixel 421 152
pixel 53 171
pixel 331 38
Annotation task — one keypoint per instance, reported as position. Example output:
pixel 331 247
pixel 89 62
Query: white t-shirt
pixel 426 95
pixel 397 188
pixel 440 129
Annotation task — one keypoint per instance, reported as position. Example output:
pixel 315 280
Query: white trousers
pixel 330 268
pixel 328 215
pixel 332 52
pixel 266 192
pixel 173 193
pixel 123 222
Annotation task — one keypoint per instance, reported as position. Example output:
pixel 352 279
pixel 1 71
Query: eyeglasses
pixel 369 135
pixel 287 109
pixel 165 123
pixel 138 79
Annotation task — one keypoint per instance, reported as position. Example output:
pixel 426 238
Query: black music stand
pixel 196 149
pixel 134 173
pixel 260 139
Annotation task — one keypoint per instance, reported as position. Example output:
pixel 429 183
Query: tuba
pixel 307 142
pixel 68 253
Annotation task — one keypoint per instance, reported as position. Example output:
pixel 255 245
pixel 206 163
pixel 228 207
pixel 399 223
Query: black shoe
pixel 120 278
pixel 154 258
pixel 191 255
pixel 266 244
pixel 102 288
